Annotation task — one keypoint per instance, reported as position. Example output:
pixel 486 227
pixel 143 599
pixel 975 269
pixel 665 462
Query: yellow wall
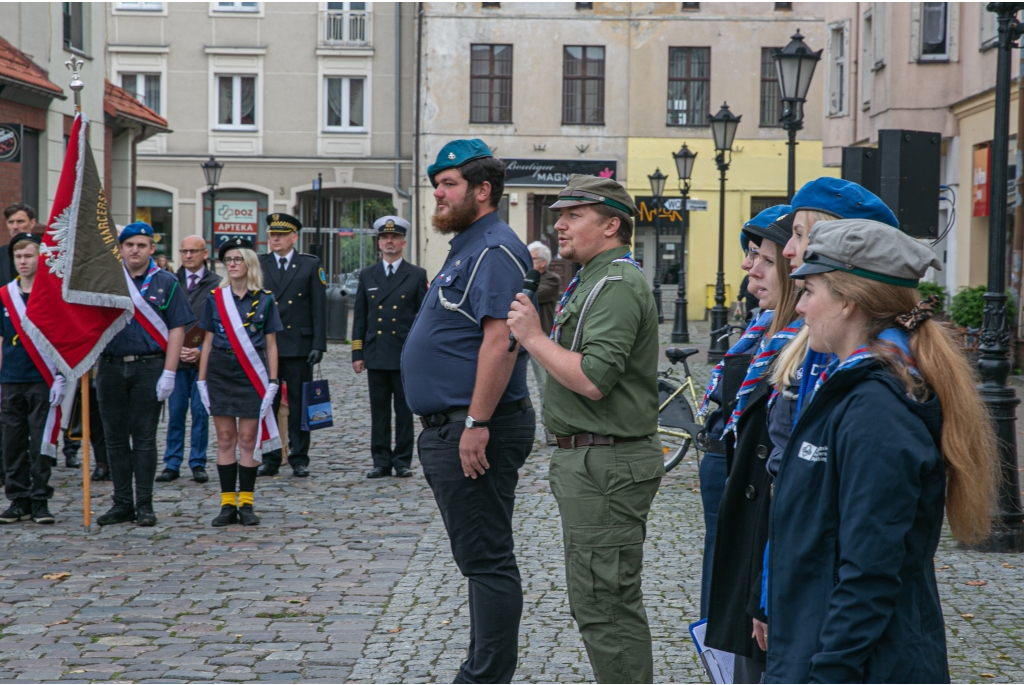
pixel 758 169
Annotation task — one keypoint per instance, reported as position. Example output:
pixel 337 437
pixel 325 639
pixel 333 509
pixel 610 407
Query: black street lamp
pixel 794 67
pixel 684 167
pixel 994 363
pixel 723 129
pixel 211 172
pixel 657 180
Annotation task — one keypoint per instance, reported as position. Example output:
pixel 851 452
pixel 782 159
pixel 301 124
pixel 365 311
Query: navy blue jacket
pixel 855 522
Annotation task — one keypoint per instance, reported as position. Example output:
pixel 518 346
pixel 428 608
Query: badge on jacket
pixel 323 277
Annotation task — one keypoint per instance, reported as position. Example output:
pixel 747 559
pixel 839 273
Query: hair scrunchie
pixel 921 312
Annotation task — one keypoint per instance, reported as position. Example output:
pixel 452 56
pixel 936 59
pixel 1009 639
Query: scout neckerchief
pixel 145 315
pixel 767 351
pixel 15 304
pixel 555 333
pixel 755 331
pixel 249 358
pixel 897 339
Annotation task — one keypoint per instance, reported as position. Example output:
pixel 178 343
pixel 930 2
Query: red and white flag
pixel 80 299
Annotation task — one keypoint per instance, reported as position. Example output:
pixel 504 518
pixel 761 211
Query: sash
pixel 145 315
pixel 251 363
pixel 11 296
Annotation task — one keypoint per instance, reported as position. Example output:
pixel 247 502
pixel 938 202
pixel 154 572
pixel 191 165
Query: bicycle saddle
pixel 678 354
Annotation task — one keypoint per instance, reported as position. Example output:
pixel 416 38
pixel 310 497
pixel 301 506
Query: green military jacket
pixel 619 344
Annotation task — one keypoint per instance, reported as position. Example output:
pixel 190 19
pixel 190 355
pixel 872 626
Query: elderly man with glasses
pixel 197 280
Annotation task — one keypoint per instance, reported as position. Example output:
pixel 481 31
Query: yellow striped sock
pixel 245 498
pixel 227 498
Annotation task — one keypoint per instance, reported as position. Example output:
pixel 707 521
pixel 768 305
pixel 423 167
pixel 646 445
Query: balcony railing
pixel 346 27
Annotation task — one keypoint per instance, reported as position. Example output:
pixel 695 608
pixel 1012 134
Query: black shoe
pixel 71 461
pixel 144 514
pixel 20 510
pixel 119 513
pixel 167 476
pixel 41 514
pixel 199 475
pixel 266 470
pixel 300 471
pixel 378 472
pixel 101 472
pixel 228 515
pixel 403 473
pixel 248 517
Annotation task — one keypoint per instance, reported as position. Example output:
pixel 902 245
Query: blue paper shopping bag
pixel 316 405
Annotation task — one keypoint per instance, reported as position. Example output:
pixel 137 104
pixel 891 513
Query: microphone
pixel 530 283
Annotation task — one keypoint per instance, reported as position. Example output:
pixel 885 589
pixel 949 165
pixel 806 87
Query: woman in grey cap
pixel 892 433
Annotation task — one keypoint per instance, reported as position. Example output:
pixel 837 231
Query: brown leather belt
pixel 590 440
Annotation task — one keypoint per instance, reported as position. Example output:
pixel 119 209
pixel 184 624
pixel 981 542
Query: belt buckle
pixel 128 358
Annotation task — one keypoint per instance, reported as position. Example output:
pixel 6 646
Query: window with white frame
pixel 345 103
pixel 867 58
pixel 236 102
pixel 138 6
pixel 347 23
pixel 145 88
pixel 236 7
pixel 934 31
pixel 838 68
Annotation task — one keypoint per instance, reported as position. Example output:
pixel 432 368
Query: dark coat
pixel 301 296
pixel 7 270
pixel 548 293
pixel 197 297
pixel 384 311
pixel 854 526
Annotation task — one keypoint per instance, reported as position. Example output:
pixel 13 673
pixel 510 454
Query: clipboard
pixel 718 665
pixel 194 337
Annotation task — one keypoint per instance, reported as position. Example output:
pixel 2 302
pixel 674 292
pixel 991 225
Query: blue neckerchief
pixel 814 364
pixel 755 331
pixel 628 257
pixel 153 268
pixel 768 350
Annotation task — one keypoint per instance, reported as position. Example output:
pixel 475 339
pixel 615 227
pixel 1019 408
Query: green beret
pixel 456 153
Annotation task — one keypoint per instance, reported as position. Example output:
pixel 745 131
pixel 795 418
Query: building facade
pixel 615 89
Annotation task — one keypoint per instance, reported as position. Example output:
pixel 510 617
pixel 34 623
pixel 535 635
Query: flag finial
pixel 76 85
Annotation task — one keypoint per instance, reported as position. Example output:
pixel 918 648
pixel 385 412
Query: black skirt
pixel 231 392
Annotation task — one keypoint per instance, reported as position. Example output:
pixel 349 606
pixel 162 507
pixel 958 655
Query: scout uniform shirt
pixel 17 366
pixel 163 297
pixel 257 309
pixel 619 344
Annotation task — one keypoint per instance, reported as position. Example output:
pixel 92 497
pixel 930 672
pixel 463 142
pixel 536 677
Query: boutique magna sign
pixel 554 173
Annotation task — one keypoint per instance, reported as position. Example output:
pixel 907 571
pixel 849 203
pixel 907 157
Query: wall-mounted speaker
pixel 909 177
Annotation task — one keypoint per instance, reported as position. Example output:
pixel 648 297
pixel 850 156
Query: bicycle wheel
pixel 675 439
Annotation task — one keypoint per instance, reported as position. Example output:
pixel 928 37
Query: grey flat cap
pixel 868 249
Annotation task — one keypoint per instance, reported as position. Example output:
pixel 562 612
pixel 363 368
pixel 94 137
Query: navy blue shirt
pixel 440 355
pixel 17 365
pixel 257 308
pixel 164 297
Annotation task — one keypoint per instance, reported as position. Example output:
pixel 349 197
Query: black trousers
pixel 386 389
pixel 98 455
pixel 477 514
pixel 23 410
pixel 130 413
pixel 293 371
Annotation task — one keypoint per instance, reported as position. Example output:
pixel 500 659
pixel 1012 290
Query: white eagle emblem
pixel 451 155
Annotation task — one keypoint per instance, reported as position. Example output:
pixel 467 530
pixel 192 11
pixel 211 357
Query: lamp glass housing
pixel 684 162
pixel 211 170
pixel 657 182
pixel 723 128
pixel 794 67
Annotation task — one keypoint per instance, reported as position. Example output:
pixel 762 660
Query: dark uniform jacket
pixel 549 292
pixel 854 526
pixel 197 297
pixel 301 296
pixel 384 312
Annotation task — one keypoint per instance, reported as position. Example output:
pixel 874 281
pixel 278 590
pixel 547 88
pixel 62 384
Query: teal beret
pixel 456 153
pixel 132 230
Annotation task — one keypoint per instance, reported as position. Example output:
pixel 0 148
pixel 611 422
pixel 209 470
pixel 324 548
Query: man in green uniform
pixel 602 404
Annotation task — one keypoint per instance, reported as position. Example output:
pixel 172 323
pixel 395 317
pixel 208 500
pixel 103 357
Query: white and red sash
pixel 145 315
pixel 251 363
pixel 11 296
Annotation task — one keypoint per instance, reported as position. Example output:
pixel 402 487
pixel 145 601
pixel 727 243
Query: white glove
pixel 165 386
pixel 57 391
pixel 268 399
pixel 204 394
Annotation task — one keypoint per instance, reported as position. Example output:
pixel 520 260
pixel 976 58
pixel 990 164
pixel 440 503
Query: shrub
pixel 968 307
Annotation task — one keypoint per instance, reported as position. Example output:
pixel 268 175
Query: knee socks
pixel 246 484
pixel 228 475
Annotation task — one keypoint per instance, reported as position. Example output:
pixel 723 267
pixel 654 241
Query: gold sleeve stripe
pixel 357 344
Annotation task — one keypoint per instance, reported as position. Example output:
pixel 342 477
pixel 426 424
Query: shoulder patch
pixel 323 277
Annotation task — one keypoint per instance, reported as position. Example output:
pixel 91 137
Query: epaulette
pixel 268 292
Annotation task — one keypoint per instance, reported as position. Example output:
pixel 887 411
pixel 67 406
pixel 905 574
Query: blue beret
pixel 758 226
pixel 744 241
pixel 132 230
pixel 845 199
pixel 456 153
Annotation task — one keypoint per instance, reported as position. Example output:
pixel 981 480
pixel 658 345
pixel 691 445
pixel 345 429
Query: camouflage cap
pixel 594 190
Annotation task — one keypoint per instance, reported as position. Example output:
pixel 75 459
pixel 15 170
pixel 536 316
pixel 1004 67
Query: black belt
pixel 569 442
pixel 128 358
pixel 459 415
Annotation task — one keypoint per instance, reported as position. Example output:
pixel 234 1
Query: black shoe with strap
pixel 248 517
pixel 41 513
pixel 20 510
pixel 228 515
pixel 119 513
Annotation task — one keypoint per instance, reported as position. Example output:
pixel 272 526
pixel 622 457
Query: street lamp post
pixel 723 129
pixel 684 167
pixel 794 67
pixel 994 363
pixel 657 180
pixel 211 172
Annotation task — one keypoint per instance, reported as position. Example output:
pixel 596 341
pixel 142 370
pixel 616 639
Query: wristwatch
pixel 473 423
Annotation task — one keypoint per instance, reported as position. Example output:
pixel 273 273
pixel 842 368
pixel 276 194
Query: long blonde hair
pixel 254 274
pixel 968 442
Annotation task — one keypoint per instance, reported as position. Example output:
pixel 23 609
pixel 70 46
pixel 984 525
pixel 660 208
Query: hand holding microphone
pixel 530 284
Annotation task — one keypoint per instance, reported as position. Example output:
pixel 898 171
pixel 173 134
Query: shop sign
pixel 235 218
pixel 554 173
pixel 669 211
pixel 979 180
pixel 10 142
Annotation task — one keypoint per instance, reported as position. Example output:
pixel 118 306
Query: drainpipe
pixel 398 100
pixel 416 129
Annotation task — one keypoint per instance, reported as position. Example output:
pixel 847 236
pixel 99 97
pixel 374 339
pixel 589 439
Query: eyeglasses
pixel 186 253
pixel 234 260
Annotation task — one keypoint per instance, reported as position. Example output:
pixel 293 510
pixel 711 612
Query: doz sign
pixel 236 217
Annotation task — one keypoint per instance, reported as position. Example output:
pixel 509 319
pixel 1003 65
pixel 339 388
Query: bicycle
pixel 677 425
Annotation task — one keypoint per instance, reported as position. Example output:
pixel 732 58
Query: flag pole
pixel 86 483
pixel 76 83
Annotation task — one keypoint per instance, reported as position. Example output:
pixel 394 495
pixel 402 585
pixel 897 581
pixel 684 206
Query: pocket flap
pixel 646 470
pixel 606 536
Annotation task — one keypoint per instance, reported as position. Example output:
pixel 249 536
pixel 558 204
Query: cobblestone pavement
pixel 352 580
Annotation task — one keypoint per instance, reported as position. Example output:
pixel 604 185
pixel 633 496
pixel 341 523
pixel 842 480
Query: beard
pixel 567 252
pixel 457 218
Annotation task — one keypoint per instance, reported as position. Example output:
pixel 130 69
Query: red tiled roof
pixel 17 67
pixel 118 102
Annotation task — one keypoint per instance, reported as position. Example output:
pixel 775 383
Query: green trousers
pixel 604 494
